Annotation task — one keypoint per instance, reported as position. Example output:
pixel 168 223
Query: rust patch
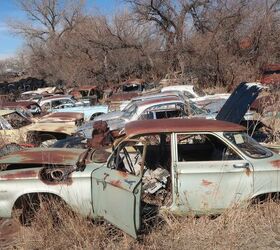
pixel 123 174
pixel 179 125
pixel 116 183
pixel 20 175
pixel 206 183
pixel 46 156
pixel 45 178
pixel 248 171
pixel 276 163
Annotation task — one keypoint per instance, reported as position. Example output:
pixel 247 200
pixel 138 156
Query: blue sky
pixel 9 43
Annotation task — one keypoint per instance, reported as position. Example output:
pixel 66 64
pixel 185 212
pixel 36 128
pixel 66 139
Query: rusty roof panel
pixel 55 97
pixel 123 96
pixel 86 87
pixel 160 100
pixel 179 125
pixel 271 67
pixel 44 156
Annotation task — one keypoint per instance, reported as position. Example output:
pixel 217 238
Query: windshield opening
pixel 130 111
pixel 196 110
pixel 248 145
pixel 16 120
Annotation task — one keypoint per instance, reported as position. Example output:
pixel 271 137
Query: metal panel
pixel 116 197
pixel 212 186
pixel 239 102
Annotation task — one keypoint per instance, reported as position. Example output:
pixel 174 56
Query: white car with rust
pixel 181 166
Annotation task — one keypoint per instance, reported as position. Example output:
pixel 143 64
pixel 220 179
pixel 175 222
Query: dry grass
pixel 256 227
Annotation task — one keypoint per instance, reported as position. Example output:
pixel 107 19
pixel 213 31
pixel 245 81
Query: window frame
pixel 222 139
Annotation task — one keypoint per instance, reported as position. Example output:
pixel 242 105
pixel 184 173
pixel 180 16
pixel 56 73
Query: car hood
pixel 44 156
pixel 109 116
pixel 61 117
pixel 239 102
pixel 65 127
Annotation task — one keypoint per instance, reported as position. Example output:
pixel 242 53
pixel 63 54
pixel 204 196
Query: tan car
pixel 18 128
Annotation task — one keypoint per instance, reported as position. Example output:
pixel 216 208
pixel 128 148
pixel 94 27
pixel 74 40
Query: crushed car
pixel 181 166
pixel 32 107
pixel 20 129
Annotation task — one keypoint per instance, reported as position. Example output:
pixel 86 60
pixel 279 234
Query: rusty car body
pixel 18 128
pixel 32 107
pixel 270 75
pixel 89 93
pixel 178 165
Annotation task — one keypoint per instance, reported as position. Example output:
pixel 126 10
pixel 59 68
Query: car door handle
pixel 241 165
pixel 102 182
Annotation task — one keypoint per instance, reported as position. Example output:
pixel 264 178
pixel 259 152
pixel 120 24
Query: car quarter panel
pixel 75 190
pixel 266 175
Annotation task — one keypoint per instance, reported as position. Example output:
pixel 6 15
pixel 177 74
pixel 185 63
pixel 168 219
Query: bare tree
pixel 47 18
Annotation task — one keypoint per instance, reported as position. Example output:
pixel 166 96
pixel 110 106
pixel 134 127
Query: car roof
pixel 6 111
pixel 160 100
pixel 86 87
pixel 178 87
pixel 179 125
pixel 157 95
pixel 56 97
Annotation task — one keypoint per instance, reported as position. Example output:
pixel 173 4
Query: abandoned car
pixel 157 108
pixel 90 94
pixel 69 104
pixel 16 127
pixel 178 165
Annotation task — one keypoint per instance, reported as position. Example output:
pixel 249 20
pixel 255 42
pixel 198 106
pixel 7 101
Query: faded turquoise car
pixel 90 112
pixel 62 103
pixel 181 166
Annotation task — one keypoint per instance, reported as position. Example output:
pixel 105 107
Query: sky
pixel 10 43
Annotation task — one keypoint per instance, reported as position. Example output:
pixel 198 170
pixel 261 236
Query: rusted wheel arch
pixel 30 203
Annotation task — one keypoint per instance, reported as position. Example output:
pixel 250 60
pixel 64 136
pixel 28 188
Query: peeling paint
pixel 276 163
pixel 20 175
pixel 116 183
pixel 206 183
pixel 123 174
pixel 248 171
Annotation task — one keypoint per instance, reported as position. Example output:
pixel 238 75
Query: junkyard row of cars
pixel 167 149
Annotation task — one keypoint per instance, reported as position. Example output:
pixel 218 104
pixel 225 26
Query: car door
pixel 211 176
pixel 116 195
